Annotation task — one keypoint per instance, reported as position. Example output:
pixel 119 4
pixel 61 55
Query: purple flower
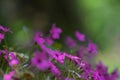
pixel 3 52
pixel 81 51
pixel 69 79
pixel 1 37
pixel 92 47
pixel 49 41
pixel 53 53
pixel 54 70
pixel 95 75
pixel 6 57
pixel 114 75
pixel 12 55
pixel 101 68
pixel 4 29
pixel 41 61
pixel 55 32
pixel 13 62
pixel 58 56
pixel 70 42
pixel 103 71
pixel 43 65
pixel 82 64
pixel 88 73
pixel 61 58
pixel 36 36
pixel 9 76
pixel 80 36
pixel 73 58
pixel 39 40
pixel 13 59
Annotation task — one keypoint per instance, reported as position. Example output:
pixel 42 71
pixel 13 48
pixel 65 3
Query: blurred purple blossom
pixel 54 70
pixel 13 62
pixel 92 47
pixel 40 60
pixel 9 76
pixel 71 43
pixel 13 59
pixel 38 39
pixel 80 36
pixel 1 37
pixel 4 29
pixel 55 31
pixel 49 41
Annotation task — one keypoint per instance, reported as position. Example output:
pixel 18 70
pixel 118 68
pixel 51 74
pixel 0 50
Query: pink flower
pixel 13 59
pixel 61 58
pixel 39 40
pixel 73 58
pixel 1 37
pixel 81 51
pixel 12 55
pixel 13 62
pixel 4 29
pixel 43 65
pixel 55 32
pixel 114 75
pixel 54 70
pixel 6 57
pixel 102 69
pixel 70 42
pixel 40 61
pixel 92 47
pixel 57 56
pixel 54 54
pixel 82 64
pixel 80 36
pixel 69 79
pixel 9 76
pixel 49 41
pixel 3 52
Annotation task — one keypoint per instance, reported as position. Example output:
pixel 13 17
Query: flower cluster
pixel 2 32
pixel 73 62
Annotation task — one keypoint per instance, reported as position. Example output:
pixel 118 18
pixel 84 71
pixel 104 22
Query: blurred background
pixel 99 20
